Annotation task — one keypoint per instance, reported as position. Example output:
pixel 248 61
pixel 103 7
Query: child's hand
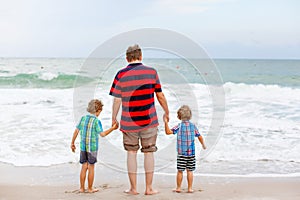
pixel 115 125
pixel 73 147
pixel 203 146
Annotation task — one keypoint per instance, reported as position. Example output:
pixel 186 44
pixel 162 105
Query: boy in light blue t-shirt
pixel 186 133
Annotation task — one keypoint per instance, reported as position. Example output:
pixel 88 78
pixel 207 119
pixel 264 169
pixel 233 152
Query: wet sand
pixel 61 182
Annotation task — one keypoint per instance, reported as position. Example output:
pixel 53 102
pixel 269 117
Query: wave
pixel 282 80
pixel 259 85
pixel 4 71
pixel 43 80
pixel 61 80
pixel 261 91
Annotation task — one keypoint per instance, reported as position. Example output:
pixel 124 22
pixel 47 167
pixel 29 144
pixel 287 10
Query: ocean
pixel 259 135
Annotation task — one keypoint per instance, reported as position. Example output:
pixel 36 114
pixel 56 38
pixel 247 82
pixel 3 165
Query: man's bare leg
pixel 132 170
pixel 149 172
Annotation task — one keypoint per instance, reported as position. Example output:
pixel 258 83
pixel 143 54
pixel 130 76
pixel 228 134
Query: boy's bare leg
pixel 132 170
pixel 179 181
pixel 149 171
pixel 190 181
pixel 91 175
pixel 83 176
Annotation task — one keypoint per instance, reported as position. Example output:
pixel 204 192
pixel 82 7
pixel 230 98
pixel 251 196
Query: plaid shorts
pixel 186 162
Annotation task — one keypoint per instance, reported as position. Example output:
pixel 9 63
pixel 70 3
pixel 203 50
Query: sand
pixel 61 182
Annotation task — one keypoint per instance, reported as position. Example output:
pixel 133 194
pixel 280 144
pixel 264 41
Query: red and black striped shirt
pixel 136 85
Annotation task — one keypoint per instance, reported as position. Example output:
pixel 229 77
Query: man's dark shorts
pixel 90 157
pixel 147 137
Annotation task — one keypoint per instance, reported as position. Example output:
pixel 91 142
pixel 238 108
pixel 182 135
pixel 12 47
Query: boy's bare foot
pixel 178 190
pixel 132 192
pixel 190 191
pixel 93 190
pixel 151 192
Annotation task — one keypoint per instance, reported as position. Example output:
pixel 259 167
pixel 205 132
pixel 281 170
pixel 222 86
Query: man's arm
pixel 167 128
pixel 164 104
pixel 115 109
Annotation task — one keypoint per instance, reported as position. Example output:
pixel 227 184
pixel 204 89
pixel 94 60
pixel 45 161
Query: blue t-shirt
pixel 186 132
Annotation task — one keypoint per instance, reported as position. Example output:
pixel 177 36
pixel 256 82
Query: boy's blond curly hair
pixel 94 106
pixel 184 113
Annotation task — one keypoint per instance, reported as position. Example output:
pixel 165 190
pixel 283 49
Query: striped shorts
pixel 186 162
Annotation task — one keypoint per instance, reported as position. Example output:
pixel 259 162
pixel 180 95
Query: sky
pixel 264 29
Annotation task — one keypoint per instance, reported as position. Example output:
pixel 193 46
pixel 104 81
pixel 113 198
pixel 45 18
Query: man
pixel 134 87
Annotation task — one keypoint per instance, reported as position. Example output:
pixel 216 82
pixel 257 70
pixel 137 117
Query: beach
pixel 61 182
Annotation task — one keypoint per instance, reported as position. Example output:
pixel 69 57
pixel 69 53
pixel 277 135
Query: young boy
pixel 90 127
pixel 186 132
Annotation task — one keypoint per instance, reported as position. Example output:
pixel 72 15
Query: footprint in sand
pixel 73 191
pixel 104 186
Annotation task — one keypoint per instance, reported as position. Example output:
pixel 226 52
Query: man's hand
pixel 115 124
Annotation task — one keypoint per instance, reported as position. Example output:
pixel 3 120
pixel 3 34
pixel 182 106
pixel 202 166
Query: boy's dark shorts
pixel 147 138
pixel 186 162
pixel 90 157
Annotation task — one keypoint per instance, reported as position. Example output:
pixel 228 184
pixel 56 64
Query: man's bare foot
pixel 93 190
pixel 178 190
pixel 132 192
pixel 151 192
pixel 190 191
pixel 81 190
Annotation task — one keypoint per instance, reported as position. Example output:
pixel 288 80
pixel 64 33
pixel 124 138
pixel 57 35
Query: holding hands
pixel 115 125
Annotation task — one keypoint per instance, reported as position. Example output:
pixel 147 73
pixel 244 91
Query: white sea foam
pixel 35 126
pixel 268 107
pixel 47 76
pixel 261 124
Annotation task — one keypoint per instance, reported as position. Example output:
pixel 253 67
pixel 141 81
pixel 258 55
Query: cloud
pixel 183 6
pixel 179 7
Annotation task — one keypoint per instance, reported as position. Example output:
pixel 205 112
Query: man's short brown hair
pixel 133 53
pixel 94 106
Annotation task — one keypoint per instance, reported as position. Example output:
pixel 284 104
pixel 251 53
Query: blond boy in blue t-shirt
pixel 186 132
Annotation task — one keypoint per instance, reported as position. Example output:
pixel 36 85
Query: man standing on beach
pixel 134 87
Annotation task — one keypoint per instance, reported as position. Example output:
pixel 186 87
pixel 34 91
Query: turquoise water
pixel 62 73
pixel 267 72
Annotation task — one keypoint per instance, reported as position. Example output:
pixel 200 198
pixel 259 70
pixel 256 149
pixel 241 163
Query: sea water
pixel 259 137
